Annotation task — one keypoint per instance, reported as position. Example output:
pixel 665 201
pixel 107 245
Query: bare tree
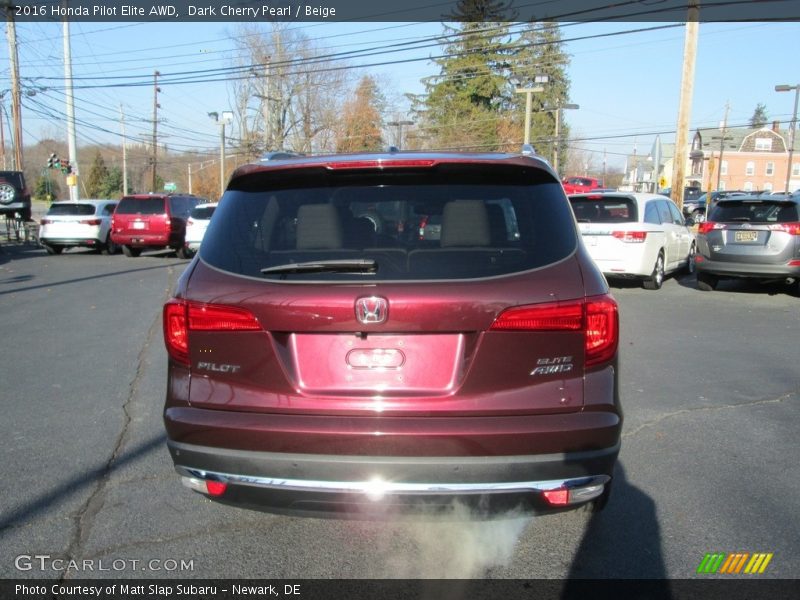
pixel 289 95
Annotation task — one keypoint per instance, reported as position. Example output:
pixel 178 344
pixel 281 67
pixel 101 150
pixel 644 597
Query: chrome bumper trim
pixel 379 487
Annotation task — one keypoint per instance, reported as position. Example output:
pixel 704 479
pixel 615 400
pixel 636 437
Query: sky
pixel 626 85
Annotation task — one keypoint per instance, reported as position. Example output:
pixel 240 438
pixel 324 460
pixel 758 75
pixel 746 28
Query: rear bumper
pixel 144 240
pixel 749 270
pixel 369 486
pixel 72 241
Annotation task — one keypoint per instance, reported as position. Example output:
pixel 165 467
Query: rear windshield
pixel 141 206
pixel 71 209
pixel 181 206
pixel 604 210
pixel 203 212
pixel 755 211
pixel 444 223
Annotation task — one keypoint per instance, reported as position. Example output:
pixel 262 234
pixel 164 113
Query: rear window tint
pixel 203 212
pixel 181 206
pixel 604 210
pixel 414 225
pixel 141 206
pixel 755 211
pixel 71 209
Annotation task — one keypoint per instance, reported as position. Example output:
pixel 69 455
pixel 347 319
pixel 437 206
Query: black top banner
pixel 398 589
pixel 409 10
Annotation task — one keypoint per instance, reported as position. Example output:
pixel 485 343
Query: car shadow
pixel 71 486
pixel 18 250
pixel 621 542
pixel 742 286
pixel 53 284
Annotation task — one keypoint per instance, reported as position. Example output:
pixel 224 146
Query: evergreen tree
pixel 112 184
pixel 463 104
pixel 361 120
pixel 46 189
pixel 760 117
pixel 95 182
pixel 539 51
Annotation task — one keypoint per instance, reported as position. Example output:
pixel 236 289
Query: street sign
pixel 170 186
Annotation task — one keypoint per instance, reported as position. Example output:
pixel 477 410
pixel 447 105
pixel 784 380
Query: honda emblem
pixel 372 309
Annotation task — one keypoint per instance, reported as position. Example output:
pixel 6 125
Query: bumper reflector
pixel 565 496
pixel 212 488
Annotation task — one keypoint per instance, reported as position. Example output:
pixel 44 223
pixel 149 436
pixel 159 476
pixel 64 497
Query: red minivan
pixel 326 358
pixel 152 221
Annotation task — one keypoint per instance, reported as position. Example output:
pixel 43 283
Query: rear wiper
pixel 740 219
pixel 365 266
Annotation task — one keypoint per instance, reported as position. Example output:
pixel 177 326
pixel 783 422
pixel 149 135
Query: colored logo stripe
pixel 734 563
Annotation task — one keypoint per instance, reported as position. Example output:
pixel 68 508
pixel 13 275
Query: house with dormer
pixel 746 159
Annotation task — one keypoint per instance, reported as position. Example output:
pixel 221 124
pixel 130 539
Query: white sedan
pixel 635 235
pixel 196 227
pixel 85 223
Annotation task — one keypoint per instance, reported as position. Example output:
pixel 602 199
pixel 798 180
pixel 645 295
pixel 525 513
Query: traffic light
pixel 52 162
pixel 66 168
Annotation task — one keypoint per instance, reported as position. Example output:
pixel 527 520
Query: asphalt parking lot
pixel 710 387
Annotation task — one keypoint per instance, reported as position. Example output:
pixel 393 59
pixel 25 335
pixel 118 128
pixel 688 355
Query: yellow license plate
pixel 746 236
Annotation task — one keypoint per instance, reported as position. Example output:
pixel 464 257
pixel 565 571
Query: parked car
pixel 82 223
pixel 696 208
pixel 756 237
pixel 14 195
pixel 690 193
pixel 635 235
pixel 196 227
pixel 152 221
pixel 577 185
pixel 335 367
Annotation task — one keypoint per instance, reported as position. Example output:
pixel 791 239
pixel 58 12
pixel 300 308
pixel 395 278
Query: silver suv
pixel 756 237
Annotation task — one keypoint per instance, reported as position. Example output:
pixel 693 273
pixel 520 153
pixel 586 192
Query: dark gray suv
pixel 14 195
pixel 755 237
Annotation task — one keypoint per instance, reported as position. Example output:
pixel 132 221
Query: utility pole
pixel 16 98
pixel 528 91
pixel 2 134
pixel 226 118
pixel 190 178
pixel 685 107
pixel 792 128
pixel 124 152
pixel 721 147
pixel 557 141
pixel 72 179
pixel 156 106
pixel 398 136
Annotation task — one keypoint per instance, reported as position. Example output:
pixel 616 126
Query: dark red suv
pixel 325 357
pixel 152 221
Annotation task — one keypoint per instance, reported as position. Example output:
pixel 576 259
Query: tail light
pixel 382 164
pixel 190 221
pixel 90 221
pixel 596 316
pixel 47 221
pixel 790 228
pixel 630 237
pixel 183 316
pixel 707 226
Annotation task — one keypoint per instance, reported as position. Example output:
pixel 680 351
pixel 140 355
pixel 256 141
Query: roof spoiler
pixel 279 155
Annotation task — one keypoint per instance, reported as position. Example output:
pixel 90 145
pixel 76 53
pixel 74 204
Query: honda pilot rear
pixel 326 357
